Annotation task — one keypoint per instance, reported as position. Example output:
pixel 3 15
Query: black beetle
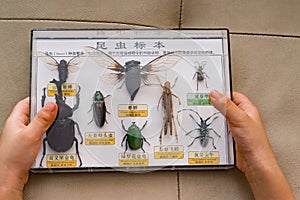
pixel 203 128
pixel 61 134
pixel 99 109
pixel 133 73
pixel 134 137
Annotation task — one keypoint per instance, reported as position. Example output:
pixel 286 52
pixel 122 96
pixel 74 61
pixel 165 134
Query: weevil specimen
pixel 99 109
pixel 168 111
pixel 133 73
pixel 134 137
pixel 203 128
pixel 61 134
pixel 200 74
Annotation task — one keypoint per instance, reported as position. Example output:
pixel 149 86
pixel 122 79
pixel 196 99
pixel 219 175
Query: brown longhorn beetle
pixel 167 105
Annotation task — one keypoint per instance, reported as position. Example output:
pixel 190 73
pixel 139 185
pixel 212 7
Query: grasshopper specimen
pixel 167 105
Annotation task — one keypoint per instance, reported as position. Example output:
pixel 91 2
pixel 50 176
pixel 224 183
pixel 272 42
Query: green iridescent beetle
pixel 134 137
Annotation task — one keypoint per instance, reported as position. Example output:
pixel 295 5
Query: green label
pixel 198 99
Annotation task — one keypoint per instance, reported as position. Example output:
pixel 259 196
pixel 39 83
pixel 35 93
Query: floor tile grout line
pixel 74 21
pixel 178 186
pixel 265 35
pixel 180 14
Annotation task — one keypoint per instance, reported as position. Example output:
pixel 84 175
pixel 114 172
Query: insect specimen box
pixel 131 99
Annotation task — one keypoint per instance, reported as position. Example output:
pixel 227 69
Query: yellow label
pixel 209 157
pixel 133 159
pixel 61 160
pixel 68 89
pixel 168 152
pixel 100 138
pixel 133 110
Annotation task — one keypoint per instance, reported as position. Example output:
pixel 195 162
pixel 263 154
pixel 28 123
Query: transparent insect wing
pixel 163 62
pixel 73 64
pixel 104 60
pixel 50 62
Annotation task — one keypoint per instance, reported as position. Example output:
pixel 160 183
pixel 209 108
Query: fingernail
pixel 215 94
pixel 50 106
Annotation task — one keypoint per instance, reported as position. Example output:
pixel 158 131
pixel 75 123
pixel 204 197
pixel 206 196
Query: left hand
pixel 19 145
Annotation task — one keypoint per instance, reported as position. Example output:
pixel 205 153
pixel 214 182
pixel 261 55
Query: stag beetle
pixel 134 137
pixel 203 128
pixel 61 134
pixel 99 109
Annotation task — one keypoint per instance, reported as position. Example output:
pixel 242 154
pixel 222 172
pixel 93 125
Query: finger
pixel 42 121
pixel 227 107
pixel 20 114
pixel 245 104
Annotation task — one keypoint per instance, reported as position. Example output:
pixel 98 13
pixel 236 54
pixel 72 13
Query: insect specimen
pixel 133 73
pixel 61 134
pixel 134 137
pixel 200 74
pixel 167 105
pixel 62 66
pixel 99 109
pixel 203 128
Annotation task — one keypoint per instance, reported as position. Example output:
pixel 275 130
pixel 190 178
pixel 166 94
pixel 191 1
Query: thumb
pixel 229 109
pixel 42 121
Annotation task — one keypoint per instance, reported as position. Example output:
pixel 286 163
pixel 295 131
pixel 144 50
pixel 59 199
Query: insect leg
pixel 143 138
pixel 194 140
pixel 126 147
pixel 159 101
pixel 160 136
pixel 166 122
pixel 123 140
pixel 91 121
pixel 44 151
pixel 211 129
pixel 177 98
pixel 123 127
pixel 176 134
pixel 192 131
pixel 144 125
pixel 194 75
pixel 107 96
pixel 91 108
pixel 43 97
pixel 142 143
pixel 213 143
pixel 174 82
pixel 77 151
pixel 79 132
pixel 76 106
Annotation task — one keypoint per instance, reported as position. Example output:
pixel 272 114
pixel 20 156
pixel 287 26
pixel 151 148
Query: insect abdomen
pixel 60 136
pixel 99 112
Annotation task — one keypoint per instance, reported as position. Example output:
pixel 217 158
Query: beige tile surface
pixel 266 16
pixel 94 186
pixel 143 12
pixel 265 68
